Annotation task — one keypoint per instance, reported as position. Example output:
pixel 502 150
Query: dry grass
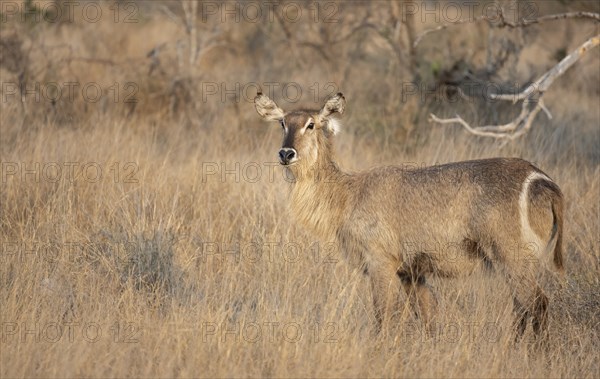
pixel 160 269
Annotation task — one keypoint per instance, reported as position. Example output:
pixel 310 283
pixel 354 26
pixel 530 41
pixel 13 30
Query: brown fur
pixel 402 225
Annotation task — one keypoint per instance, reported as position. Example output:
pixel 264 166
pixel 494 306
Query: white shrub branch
pixel 531 106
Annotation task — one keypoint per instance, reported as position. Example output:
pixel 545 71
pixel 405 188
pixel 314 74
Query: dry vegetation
pixel 159 268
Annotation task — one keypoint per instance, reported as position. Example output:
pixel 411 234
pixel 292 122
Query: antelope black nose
pixel 287 155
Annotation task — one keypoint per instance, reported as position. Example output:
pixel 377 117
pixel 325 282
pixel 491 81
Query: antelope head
pixel 306 133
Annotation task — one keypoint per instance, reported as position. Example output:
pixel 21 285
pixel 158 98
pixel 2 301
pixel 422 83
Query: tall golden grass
pixel 156 242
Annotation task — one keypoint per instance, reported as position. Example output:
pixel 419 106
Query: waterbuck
pixel 402 225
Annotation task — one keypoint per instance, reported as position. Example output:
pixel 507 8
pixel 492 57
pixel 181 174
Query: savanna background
pixel 144 222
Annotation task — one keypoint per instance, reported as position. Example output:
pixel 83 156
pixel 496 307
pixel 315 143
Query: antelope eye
pixel 282 124
pixel 311 125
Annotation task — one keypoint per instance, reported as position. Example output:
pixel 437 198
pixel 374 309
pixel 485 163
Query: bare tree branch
pixel 444 26
pixel 530 107
pixel 190 8
pixel 546 80
pixel 500 21
pixel 552 17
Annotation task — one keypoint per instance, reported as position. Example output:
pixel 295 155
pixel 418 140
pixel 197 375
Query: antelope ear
pixel 334 104
pixel 267 108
